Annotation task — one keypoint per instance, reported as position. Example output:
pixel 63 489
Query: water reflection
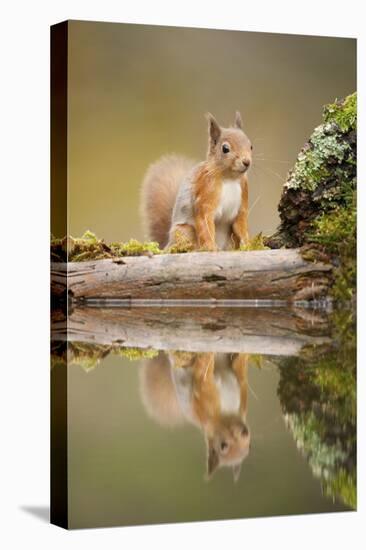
pixel 258 414
pixel 207 390
pixel 318 398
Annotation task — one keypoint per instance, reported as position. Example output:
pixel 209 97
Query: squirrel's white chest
pixel 226 384
pixel 230 200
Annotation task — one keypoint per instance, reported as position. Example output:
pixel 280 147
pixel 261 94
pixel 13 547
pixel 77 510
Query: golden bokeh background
pixel 136 92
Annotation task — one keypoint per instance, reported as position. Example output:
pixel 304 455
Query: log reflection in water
pixel 267 331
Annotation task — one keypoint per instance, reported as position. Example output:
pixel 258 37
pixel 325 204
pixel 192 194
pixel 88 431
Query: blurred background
pixel 137 92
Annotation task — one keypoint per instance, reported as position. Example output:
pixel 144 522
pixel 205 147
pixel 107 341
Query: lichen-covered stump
pixel 318 203
pixel 324 176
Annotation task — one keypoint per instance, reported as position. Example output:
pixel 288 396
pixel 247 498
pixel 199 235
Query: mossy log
pixel 266 331
pixel 260 275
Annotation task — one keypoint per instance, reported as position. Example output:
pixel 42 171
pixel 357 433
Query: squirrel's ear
pixel 214 129
pixel 212 459
pixel 236 472
pixel 238 123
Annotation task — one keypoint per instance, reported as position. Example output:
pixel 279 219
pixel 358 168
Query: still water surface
pixel 166 436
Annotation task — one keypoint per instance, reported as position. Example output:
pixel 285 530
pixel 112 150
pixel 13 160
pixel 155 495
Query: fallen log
pixel 277 331
pixel 261 275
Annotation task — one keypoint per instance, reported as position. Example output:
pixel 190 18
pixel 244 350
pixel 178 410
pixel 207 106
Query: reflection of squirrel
pixel 205 204
pixel 209 391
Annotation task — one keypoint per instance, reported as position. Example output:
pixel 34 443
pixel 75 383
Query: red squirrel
pixel 205 204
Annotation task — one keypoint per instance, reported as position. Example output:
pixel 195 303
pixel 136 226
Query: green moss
pixel 90 247
pixel 85 355
pixel 89 356
pixel 90 237
pixel 343 485
pixel 255 243
pixel 136 354
pixel 343 113
pixel 333 228
pixel 181 244
pixel 256 360
pixel 317 392
pixel 336 232
pixel 135 248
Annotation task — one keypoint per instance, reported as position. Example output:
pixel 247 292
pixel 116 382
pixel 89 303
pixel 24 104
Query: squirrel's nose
pixel 245 162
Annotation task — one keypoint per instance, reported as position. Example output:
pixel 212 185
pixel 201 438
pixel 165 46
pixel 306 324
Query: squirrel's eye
pixel 225 148
pixel 251 147
pixel 224 445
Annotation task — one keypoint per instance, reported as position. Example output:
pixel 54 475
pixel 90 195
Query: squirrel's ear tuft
pixel 213 460
pixel 238 123
pixel 214 129
pixel 236 472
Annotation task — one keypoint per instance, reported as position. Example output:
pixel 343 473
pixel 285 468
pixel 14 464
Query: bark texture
pixel 268 274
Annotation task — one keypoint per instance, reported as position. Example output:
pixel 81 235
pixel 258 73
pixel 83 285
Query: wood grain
pixel 269 274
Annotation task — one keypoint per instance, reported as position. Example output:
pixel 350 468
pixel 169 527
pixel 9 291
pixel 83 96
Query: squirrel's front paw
pixel 208 247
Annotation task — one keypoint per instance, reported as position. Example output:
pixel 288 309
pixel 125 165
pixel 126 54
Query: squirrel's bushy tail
pixel 159 190
pixel 158 392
